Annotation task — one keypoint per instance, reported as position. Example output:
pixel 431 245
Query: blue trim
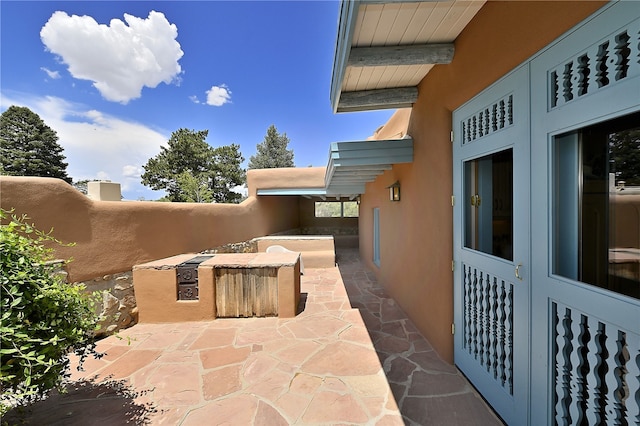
pixel 376 236
pixel 292 191
pixel 346 27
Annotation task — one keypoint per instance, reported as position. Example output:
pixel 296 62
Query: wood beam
pixel 381 56
pixel 365 100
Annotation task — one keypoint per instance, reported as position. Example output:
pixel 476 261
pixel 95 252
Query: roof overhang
pixel 385 48
pixel 351 166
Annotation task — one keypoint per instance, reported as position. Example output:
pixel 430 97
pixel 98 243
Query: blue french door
pixel 547 288
pixel 491 244
pixel 585 129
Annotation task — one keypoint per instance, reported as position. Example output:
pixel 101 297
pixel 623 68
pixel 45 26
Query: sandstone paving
pixel 350 357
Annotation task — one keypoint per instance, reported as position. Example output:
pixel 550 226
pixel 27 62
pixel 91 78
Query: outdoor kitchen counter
pixel 252 260
pixel 156 287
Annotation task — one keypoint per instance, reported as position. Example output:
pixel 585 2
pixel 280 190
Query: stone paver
pixel 351 356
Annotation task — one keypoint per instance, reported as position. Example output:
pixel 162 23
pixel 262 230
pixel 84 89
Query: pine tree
pixel 28 147
pixel 272 152
pixel 189 169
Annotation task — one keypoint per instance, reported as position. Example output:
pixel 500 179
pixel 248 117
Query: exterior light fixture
pixel 394 191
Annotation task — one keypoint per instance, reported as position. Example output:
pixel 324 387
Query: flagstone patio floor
pixel 351 356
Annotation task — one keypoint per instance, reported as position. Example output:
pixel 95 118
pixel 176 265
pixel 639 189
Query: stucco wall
pixel 112 236
pixel 416 233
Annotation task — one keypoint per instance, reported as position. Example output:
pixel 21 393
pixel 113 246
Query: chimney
pixel 104 191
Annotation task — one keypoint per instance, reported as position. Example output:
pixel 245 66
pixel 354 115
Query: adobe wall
pixel 112 236
pixel 416 233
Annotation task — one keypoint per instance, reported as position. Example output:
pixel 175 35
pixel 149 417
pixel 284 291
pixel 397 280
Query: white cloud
pixel 98 145
pixel 102 175
pixel 52 74
pixel 218 95
pixel 121 58
pixel 194 99
pixel 132 171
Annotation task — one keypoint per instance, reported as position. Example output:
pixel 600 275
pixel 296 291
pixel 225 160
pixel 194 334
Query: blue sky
pixel 115 78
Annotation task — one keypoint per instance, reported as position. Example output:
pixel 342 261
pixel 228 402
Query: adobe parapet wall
pixel 288 177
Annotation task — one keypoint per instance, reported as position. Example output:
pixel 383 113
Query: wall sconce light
pixel 394 191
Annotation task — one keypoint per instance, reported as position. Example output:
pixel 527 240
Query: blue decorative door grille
pixel 488 323
pixel 596 370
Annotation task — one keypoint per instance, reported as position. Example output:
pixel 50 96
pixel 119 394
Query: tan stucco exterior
pixel 416 234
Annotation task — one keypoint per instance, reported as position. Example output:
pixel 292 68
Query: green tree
pixel 42 317
pixel 28 147
pixel 189 169
pixel 272 151
pixel 195 188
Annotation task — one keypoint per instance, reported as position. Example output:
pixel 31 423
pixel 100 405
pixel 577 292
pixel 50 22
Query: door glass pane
pixel 488 204
pixel 596 233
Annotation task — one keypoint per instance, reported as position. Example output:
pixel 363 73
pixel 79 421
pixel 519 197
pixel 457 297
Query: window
pixel 488 204
pixel 376 236
pixel 596 234
pixel 336 208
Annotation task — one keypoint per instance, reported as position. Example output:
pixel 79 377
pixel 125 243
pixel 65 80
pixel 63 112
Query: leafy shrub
pixel 42 317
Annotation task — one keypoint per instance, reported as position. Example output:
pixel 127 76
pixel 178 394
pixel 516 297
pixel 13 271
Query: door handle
pixel 518 276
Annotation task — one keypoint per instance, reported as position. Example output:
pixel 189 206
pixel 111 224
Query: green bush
pixel 42 317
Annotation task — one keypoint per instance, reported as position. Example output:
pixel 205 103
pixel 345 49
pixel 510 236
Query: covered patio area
pixel 351 356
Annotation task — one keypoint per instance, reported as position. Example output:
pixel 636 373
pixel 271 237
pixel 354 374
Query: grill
pixel 187 277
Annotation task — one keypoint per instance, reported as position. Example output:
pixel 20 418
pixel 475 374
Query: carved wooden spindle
pixel 579 363
pixel 509 336
pixel 567 85
pixel 493 318
pixel 481 316
pixel 464 133
pixel 602 69
pixel 487 121
pixel 554 89
pixel 622 52
pixel 615 411
pixel 501 114
pixel 583 75
pixel 633 378
pixel 475 313
pixel 494 117
pixel 501 353
pixel 563 366
pixel 469 312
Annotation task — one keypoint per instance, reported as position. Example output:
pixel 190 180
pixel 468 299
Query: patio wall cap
pixel 301 177
pixel 294 237
pixel 251 260
pixel 166 263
